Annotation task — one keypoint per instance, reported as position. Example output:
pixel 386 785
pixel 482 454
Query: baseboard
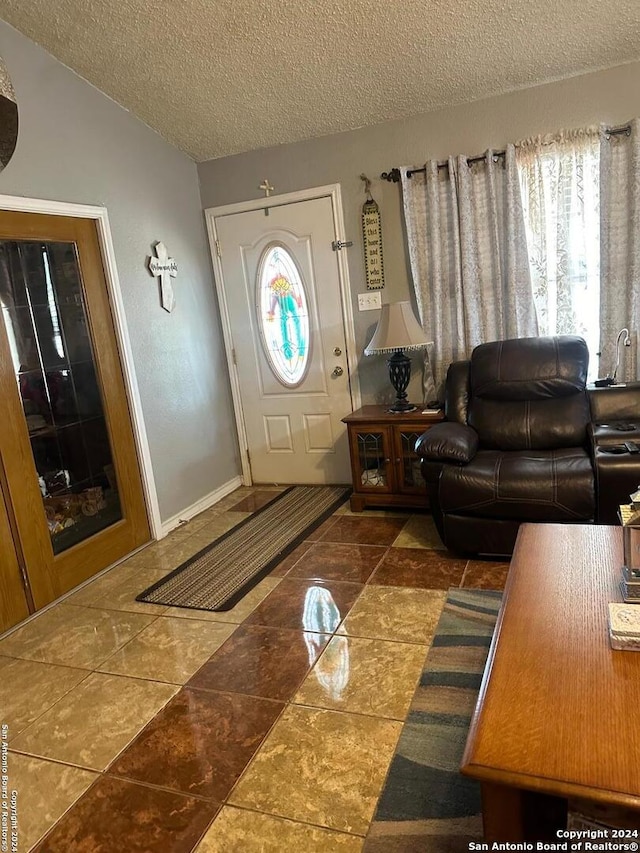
pixel 200 506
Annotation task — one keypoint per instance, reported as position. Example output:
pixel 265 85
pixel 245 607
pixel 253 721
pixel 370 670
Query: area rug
pixel 427 805
pixel 218 576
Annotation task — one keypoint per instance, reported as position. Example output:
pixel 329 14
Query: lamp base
pixel 399 374
pixel 397 409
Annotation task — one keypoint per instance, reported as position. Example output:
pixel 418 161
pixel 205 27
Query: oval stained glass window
pixel 283 315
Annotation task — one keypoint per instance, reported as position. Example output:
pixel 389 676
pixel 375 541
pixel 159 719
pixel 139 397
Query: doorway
pixel 284 294
pixel 70 480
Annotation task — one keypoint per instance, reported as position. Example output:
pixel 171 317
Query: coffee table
pixel 558 710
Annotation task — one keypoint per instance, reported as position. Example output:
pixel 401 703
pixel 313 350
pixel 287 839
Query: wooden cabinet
pixel 385 469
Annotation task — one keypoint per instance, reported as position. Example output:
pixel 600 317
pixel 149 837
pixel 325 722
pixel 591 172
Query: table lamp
pixel 612 379
pixel 398 330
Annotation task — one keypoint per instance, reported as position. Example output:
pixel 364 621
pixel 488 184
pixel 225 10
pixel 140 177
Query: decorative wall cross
pixel 164 268
pixel 266 186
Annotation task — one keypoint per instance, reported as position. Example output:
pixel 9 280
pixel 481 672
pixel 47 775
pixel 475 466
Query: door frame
pixel 333 192
pixel 101 218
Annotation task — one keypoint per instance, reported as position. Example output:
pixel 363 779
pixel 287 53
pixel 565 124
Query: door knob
pixel 337 371
pixel 337 351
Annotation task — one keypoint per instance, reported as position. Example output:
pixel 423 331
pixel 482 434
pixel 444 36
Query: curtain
pixel 620 247
pixel 468 255
pixel 559 181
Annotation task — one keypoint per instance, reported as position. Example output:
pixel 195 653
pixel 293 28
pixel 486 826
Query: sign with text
pixel 372 235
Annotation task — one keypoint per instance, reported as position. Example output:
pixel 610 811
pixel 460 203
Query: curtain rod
pixel 393 175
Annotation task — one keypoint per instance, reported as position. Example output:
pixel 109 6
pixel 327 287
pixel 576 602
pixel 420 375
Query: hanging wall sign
pixel 372 234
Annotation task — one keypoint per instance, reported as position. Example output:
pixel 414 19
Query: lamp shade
pixel 397 329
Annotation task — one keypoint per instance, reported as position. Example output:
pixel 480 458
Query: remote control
pixel 632 447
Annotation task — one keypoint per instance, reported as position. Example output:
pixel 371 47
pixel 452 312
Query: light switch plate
pixel 370 300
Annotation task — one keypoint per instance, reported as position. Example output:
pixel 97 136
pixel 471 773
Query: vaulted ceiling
pixel 219 77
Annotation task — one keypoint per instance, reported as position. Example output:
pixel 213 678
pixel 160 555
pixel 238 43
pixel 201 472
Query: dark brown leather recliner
pixel 515 446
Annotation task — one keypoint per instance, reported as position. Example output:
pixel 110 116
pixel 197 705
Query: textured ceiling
pixel 218 77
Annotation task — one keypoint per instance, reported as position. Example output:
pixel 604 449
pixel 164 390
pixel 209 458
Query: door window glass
pixel 283 315
pixel 45 316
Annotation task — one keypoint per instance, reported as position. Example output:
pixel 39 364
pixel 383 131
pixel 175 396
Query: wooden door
pixel 71 473
pixel 14 604
pixel 282 291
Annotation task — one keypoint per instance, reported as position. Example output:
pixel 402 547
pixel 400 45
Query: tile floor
pixel 266 728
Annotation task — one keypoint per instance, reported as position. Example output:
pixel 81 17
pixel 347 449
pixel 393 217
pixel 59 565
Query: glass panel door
pixel 372 454
pixel 409 473
pixel 45 317
pixel 68 459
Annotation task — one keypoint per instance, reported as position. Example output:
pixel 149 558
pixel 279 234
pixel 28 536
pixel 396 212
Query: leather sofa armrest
pixel 448 442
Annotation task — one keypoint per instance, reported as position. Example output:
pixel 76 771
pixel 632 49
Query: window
pixel 283 316
pixel 559 179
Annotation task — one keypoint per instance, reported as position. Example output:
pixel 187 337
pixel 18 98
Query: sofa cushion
pixel 530 368
pixel 531 424
pixel 527 485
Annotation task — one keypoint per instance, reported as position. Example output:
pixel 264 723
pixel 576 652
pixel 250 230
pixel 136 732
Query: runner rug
pixel 427 805
pixel 218 576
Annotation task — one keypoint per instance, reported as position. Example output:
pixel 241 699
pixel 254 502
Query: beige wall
pixel 610 96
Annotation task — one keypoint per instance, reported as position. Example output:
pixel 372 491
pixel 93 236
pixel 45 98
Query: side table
pixel 385 469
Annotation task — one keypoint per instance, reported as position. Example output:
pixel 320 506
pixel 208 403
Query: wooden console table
pixel 384 466
pixel 557 711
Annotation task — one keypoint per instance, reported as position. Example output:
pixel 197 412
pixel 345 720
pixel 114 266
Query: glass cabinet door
pixel 408 463
pixel 45 317
pixel 373 459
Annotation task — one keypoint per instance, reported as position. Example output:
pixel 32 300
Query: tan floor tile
pixel 181 552
pixel 101 586
pixel 242 831
pixel 199 521
pixel 364 676
pixel 155 557
pixel 74 636
pixel 180 533
pixel 209 514
pixel 179 539
pixel 123 596
pixel 320 767
pixel 238 613
pixel 95 721
pixel 220 525
pixel 169 650
pixel 239 494
pixel 164 545
pixel 395 613
pixel 153 574
pixel 30 688
pixel 419 532
pixel 45 792
pixel 216 511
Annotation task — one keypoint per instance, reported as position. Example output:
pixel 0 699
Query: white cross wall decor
pixel 165 268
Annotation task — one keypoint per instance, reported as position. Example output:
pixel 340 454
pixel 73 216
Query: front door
pixel 281 286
